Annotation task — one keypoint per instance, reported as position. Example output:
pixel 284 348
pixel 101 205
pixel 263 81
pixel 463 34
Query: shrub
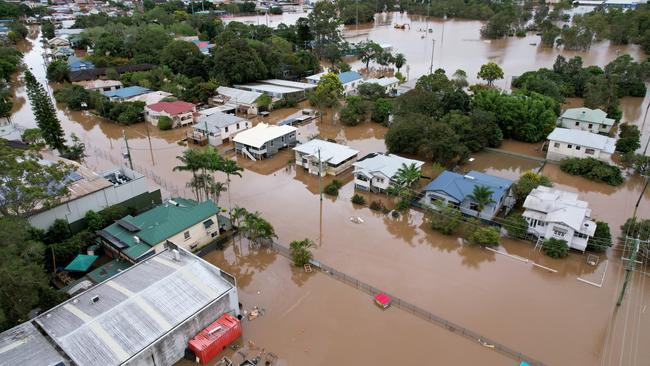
pixel 446 220
pixel 353 112
pixel 376 206
pixel 517 226
pixel 332 189
pixel 555 248
pixel 165 123
pixel 300 254
pixel 602 238
pixel 57 71
pixel 358 199
pixel 487 236
pixel 403 205
pixel 593 169
pixel 527 182
pixel 629 138
pixel 381 110
pixel 285 103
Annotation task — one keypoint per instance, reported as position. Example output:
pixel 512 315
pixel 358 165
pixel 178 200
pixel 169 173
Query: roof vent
pixel 468 177
pixel 172 202
pixel 176 255
pixel 94 299
pixel 136 239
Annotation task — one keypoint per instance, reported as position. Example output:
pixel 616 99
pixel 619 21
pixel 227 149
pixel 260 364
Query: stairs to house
pixel 248 154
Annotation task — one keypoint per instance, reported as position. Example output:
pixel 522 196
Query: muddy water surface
pixel 549 315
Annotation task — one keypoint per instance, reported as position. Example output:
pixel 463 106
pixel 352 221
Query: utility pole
pixel 146 126
pixel 128 151
pixel 433 47
pixel 320 176
pixel 628 270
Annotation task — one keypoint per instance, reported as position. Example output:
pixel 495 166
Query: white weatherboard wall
pixel 76 209
pixel 199 236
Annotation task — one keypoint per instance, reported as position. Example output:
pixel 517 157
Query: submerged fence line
pixel 415 310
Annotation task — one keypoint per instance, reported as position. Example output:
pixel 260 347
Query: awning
pixel 81 263
pixel 207 223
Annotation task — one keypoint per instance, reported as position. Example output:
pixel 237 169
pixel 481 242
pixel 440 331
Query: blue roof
pixel 460 186
pixel 128 92
pixel 348 76
pixel 76 64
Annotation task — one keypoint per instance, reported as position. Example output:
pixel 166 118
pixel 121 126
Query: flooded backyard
pixel 313 319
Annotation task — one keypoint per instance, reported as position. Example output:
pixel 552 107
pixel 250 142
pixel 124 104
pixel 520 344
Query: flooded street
pixel 551 316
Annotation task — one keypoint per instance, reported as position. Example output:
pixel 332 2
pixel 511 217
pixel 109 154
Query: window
pixel 271 143
pixel 577 147
pixel 379 180
pixel 557 144
pixel 591 125
pixel 569 146
pixel 186 234
pixel 473 206
pixel 577 123
pixel 580 235
pixel 226 129
pixel 237 125
pixel 589 151
pixel 533 222
pixel 560 233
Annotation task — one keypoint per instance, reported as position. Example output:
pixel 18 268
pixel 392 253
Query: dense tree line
pixel 10 58
pixel 437 120
pixel 601 88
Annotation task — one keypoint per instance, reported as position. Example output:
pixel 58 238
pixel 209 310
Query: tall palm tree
pixel 230 167
pixel 192 162
pixel 481 196
pixel 215 190
pixel 257 228
pixel 399 60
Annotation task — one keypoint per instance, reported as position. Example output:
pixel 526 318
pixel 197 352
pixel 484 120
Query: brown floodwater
pixel 312 319
pixel 548 315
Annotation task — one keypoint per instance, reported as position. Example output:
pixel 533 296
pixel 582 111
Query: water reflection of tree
pixel 299 276
pixel 402 227
pixel 473 256
pixel 247 260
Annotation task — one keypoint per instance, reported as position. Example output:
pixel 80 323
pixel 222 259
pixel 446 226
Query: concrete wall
pixel 562 150
pixel 76 209
pixel 171 348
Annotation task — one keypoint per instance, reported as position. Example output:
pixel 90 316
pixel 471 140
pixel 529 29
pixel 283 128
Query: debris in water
pixel 259 292
pixel 357 220
pixel 253 314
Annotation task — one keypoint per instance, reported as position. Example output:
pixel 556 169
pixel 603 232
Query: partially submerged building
pixel 324 156
pixel 349 79
pixel 144 315
pixel 456 190
pixel 570 143
pixel 187 223
pixel 181 113
pixel 552 213
pixel 100 85
pixel 279 89
pixel 122 94
pixel 244 101
pixel 375 172
pixel 264 140
pixel 389 84
pixel 219 127
pixel 585 119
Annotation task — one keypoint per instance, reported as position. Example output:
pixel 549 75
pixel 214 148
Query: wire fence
pixel 415 310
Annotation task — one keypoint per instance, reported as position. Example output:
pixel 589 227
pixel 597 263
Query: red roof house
pixel 181 113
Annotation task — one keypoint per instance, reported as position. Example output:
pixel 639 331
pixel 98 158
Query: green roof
pixel 108 270
pixel 588 115
pixel 81 263
pixel 160 223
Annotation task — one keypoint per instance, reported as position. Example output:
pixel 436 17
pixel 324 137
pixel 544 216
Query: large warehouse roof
pixel 114 321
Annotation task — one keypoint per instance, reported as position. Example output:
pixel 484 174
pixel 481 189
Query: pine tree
pixel 45 113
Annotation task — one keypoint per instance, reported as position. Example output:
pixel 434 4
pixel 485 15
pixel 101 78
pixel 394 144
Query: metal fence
pixel 415 310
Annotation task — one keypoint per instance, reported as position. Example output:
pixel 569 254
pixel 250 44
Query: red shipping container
pixel 215 337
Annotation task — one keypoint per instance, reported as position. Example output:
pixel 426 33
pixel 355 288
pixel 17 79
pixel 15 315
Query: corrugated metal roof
pixel 583 138
pixel 239 96
pixel 460 186
pixel 127 92
pixel 25 345
pixel 329 151
pixel 387 165
pixel 261 133
pixel 133 309
pixel 588 115
pixel 160 223
pixel 217 120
